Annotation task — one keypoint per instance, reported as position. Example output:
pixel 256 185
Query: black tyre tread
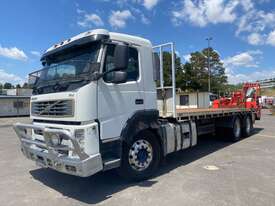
pixel 244 132
pixel 231 131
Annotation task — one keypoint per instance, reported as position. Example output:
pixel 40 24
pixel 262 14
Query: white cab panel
pixel 117 105
pixel 84 103
pixel 150 94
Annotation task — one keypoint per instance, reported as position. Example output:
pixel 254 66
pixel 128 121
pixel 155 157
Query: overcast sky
pixel 243 31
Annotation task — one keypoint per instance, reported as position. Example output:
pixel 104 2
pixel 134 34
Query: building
pixel 184 100
pixel 15 102
pixel 267 83
pixel 17 92
pixel 14 106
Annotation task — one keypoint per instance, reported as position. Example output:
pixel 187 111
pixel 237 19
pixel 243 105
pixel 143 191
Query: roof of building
pixel 14 97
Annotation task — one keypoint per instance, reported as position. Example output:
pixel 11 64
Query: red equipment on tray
pixel 248 97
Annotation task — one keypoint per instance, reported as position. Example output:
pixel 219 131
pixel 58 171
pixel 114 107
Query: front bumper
pixel 46 154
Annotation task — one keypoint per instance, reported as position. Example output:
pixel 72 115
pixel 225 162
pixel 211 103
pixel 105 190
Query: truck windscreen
pixel 66 70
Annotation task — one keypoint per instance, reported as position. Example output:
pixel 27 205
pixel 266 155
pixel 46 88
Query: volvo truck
pixel 100 102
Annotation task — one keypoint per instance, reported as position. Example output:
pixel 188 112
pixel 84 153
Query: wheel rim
pixel 248 125
pixel 237 128
pixel 140 155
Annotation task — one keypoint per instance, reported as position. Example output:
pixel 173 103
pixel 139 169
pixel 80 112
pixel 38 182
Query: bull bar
pixel 46 154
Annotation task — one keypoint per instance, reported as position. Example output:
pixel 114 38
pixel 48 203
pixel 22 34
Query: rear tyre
pixel 247 126
pixel 141 158
pixel 258 116
pixel 235 131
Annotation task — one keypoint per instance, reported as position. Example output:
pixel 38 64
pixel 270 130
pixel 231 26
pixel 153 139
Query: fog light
pixel 80 135
pixel 70 168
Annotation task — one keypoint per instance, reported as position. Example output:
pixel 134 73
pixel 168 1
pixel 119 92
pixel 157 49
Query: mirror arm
pixel 98 75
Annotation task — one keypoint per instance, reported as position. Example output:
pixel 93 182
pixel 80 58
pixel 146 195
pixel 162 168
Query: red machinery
pixel 248 97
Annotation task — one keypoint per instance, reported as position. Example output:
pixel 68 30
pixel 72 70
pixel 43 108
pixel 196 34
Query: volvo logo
pixel 47 108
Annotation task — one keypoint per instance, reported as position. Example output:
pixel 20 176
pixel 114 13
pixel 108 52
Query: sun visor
pixel 75 43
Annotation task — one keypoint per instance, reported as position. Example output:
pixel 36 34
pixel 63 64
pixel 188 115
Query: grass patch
pixel 268 92
pixel 272 110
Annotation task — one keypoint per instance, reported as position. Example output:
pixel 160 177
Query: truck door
pixel 118 102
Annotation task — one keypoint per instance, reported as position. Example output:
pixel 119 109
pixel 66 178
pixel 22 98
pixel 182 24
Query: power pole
pixel 208 60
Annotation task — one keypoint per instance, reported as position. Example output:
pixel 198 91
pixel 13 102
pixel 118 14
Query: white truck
pixel 95 107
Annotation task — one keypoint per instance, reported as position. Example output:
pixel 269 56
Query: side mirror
pixel 116 77
pixel 121 57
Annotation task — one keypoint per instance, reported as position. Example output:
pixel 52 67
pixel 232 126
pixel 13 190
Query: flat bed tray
pixel 209 112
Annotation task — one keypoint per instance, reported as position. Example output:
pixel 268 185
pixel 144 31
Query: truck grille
pixel 53 108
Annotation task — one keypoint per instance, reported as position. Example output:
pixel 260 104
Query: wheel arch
pixel 228 122
pixel 140 121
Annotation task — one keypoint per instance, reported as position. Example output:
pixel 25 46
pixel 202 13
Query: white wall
pixel 19 92
pixel 196 100
pixel 11 92
pixel 7 107
pixel 204 100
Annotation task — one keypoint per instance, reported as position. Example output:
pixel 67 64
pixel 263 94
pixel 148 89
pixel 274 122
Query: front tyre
pixel 140 159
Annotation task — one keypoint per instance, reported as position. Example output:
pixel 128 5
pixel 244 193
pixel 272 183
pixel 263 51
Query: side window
pixel 133 63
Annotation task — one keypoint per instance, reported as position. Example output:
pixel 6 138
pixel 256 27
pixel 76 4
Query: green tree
pixel 25 85
pixel 18 86
pixel 8 85
pixel 229 88
pixel 167 68
pixel 190 80
pixel 197 71
pixel 193 75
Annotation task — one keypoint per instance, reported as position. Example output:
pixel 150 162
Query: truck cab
pixel 88 89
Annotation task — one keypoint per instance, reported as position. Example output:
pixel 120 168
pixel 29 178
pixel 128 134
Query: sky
pixel 243 31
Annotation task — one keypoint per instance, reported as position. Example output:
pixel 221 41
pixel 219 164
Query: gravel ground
pixel 212 173
pixel 8 122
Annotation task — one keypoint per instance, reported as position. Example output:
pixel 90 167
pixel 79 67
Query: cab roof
pixel 93 34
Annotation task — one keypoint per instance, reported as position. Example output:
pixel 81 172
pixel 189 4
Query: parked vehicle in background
pixel 94 108
pixel 267 102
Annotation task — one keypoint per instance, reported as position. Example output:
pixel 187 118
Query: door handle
pixel 139 101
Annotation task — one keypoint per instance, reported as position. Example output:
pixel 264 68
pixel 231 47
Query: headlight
pixel 80 135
